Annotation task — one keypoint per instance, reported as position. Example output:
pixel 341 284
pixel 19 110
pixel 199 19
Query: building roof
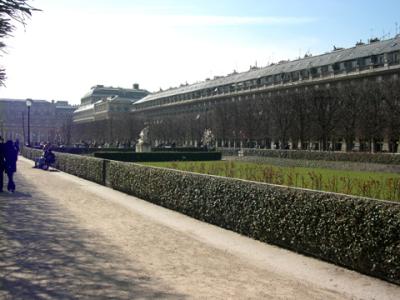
pixel 24 100
pixel 58 104
pixel 330 58
pixel 84 108
pixel 121 99
pixel 100 90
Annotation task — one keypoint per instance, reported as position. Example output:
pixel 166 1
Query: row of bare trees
pixel 111 132
pixel 365 111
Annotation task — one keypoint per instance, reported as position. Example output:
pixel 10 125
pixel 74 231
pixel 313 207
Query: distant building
pixel 49 121
pixel 102 103
pixel 103 115
pixel 377 61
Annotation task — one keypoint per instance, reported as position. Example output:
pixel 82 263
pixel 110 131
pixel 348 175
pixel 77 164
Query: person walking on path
pixel 11 156
pixel 2 163
pixel 16 145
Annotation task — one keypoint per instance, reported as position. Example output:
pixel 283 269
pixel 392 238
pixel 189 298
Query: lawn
pixel 368 184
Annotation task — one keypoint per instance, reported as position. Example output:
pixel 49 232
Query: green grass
pixel 367 184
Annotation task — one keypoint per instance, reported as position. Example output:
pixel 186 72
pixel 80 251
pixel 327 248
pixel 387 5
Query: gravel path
pixel 62 237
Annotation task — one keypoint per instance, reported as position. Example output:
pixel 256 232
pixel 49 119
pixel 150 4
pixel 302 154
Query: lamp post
pixel 28 105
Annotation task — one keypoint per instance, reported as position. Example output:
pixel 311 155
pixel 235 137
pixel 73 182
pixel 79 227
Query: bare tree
pixel 372 121
pixel 281 116
pixel 300 107
pixel 11 10
pixel 66 130
pixel 391 94
pixel 324 110
pixel 349 101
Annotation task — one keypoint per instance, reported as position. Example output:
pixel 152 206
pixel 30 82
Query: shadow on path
pixel 44 255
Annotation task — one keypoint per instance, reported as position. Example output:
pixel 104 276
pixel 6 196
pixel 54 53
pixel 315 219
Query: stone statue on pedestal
pixel 208 139
pixel 143 143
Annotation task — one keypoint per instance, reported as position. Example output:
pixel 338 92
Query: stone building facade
pixel 103 115
pixel 49 121
pixel 377 61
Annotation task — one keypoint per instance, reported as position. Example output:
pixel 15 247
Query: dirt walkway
pixel 66 238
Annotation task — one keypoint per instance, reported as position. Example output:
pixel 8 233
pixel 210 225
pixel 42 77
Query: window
pixel 324 70
pixel 314 72
pixel 393 58
pixel 361 62
pixel 286 77
pixel 377 60
pixel 295 76
pixel 304 74
pixel 348 65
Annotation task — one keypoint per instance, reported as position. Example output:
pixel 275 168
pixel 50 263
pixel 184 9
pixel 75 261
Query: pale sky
pixel 72 45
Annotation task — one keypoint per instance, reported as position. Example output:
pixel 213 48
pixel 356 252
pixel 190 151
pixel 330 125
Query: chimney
pixel 136 86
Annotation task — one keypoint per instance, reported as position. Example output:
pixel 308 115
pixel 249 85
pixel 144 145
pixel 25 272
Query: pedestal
pixel 143 148
pixel 343 147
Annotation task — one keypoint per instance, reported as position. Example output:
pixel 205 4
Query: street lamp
pixel 29 104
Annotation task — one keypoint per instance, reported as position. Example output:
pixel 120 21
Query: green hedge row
pixel 380 158
pixel 159 156
pixel 337 165
pixel 179 149
pixel 89 168
pixel 75 150
pixel 358 233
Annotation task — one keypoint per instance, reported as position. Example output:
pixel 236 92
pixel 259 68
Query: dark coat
pixel 11 156
pixel 2 162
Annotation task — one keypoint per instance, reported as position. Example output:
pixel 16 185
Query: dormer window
pixel 314 71
pixel 305 74
pixel 324 70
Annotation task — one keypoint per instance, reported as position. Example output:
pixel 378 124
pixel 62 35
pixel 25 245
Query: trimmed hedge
pixel 74 150
pixel 358 233
pixel 380 158
pixel 361 234
pixel 179 149
pixel 337 165
pixel 89 168
pixel 159 156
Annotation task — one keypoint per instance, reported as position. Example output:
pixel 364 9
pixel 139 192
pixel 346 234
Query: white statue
pixel 143 143
pixel 144 136
pixel 208 139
